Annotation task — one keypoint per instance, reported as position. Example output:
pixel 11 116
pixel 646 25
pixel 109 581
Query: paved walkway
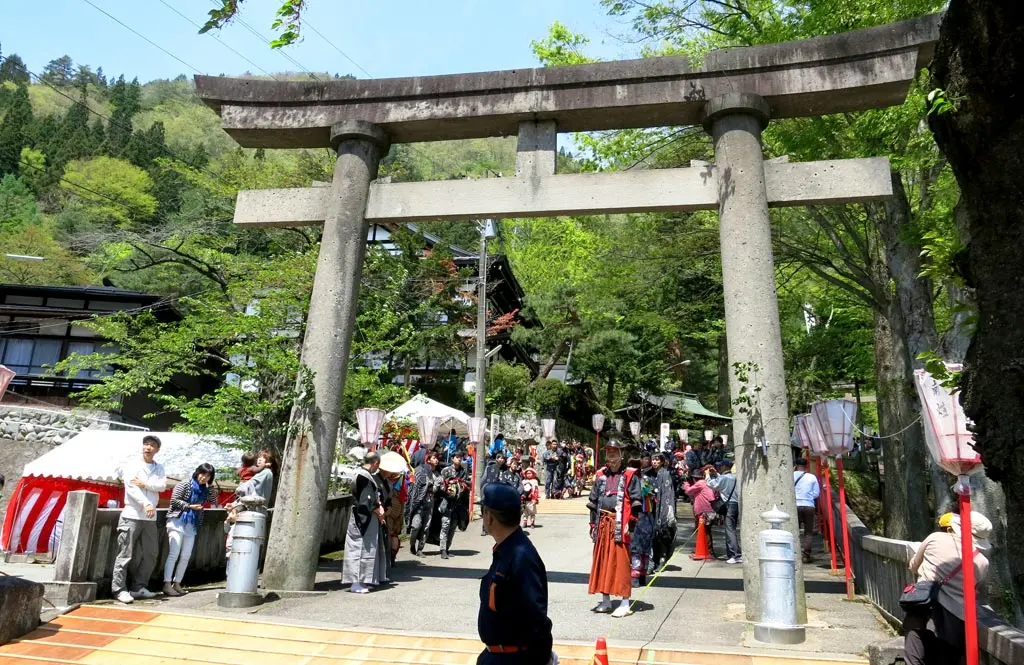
pixel 694 608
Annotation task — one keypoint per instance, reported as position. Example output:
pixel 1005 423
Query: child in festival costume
pixel 531 497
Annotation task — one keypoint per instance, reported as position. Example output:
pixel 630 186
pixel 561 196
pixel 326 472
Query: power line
pixel 346 55
pixel 266 41
pixel 128 127
pixel 222 42
pixel 139 34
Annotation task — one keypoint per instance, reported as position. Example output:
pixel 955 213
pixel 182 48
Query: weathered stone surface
pixel 65 594
pixel 852 71
pixel 73 553
pixel 20 604
pixel 660 190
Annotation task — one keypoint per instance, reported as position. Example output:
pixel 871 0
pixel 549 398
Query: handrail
pixel 881 571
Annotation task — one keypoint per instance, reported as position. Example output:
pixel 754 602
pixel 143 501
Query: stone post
pixel 71 583
pixel 735 121
pixel 294 544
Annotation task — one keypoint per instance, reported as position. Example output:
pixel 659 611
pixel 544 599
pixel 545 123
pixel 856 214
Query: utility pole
pixel 481 353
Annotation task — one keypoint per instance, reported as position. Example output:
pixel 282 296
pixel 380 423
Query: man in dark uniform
pixel 513 621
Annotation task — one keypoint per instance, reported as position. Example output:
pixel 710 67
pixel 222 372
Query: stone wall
pixel 53 426
pixel 208 556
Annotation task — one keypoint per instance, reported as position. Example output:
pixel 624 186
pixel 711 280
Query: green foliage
pixel 547 396
pixel 59 267
pixel 17 205
pixel 288 19
pixel 17 120
pixel 508 387
pixel 561 47
pixel 113 191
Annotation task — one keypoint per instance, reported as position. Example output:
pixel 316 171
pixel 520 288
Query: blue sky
pixel 394 38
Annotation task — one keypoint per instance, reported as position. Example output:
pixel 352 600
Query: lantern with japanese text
pixel 634 428
pixel 813 440
pixel 619 422
pixel 951 445
pixel 548 426
pixel 682 434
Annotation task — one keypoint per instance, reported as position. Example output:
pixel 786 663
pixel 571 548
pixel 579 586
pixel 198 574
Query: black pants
pixel 664 542
pixel 934 640
pixel 805 515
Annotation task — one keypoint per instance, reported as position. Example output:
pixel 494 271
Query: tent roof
pixel 421 405
pixel 97 454
pixel 682 402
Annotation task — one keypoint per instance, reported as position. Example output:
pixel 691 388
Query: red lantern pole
pixel 846 530
pixel 967 556
pixel 821 500
pixel 471 449
pixel 597 451
pixel 828 512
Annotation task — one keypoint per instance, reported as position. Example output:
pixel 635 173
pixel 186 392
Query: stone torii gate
pixel 734 95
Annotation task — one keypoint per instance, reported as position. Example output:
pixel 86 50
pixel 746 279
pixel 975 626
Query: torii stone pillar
pixel 735 121
pixel 294 546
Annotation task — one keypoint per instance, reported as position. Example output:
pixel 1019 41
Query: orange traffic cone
pixel 600 653
pixel 702 551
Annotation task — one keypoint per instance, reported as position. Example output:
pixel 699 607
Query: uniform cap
pixel 499 496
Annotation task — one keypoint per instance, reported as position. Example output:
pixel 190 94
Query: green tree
pixel 60 72
pixel 58 267
pixel 508 387
pixel 13 70
pixel 17 205
pixel 113 191
pixel 17 120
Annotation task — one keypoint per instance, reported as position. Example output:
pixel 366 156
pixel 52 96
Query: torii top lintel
pixel 852 71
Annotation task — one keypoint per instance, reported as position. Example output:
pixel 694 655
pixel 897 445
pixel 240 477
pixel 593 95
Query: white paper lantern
pixel 597 420
pixel 814 436
pixel 835 419
pixel 682 434
pixel 634 428
pixel 950 442
pixel 427 426
pixel 797 437
pixel 725 439
pixel 708 435
pixel 369 421
pixel 477 428
pixel 548 425
pixel 619 422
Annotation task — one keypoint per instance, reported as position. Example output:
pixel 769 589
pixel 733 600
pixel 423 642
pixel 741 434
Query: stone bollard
pixel 777 555
pixel 247 538
pixel 21 601
pixel 71 583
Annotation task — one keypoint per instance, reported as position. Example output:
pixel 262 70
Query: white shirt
pixel 807 489
pixel 137 498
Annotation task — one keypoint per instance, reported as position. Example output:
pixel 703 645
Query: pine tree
pixel 59 73
pixel 73 140
pixel 13 69
pixel 125 98
pixel 14 130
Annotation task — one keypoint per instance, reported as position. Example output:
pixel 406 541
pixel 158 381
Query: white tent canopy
pixel 97 454
pixel 421 405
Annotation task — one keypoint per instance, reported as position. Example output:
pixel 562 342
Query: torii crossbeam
pixel 733 94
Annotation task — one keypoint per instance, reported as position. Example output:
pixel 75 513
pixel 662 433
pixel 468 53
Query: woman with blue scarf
pixel 184 518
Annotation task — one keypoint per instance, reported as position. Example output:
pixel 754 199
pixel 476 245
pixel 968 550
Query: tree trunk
pixel 553 360
pixel 906 515
pixel 979 64
pixel 915 297
pixel 954 343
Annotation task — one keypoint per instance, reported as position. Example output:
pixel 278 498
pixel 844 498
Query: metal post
pixel 481 360
pixel 777 567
